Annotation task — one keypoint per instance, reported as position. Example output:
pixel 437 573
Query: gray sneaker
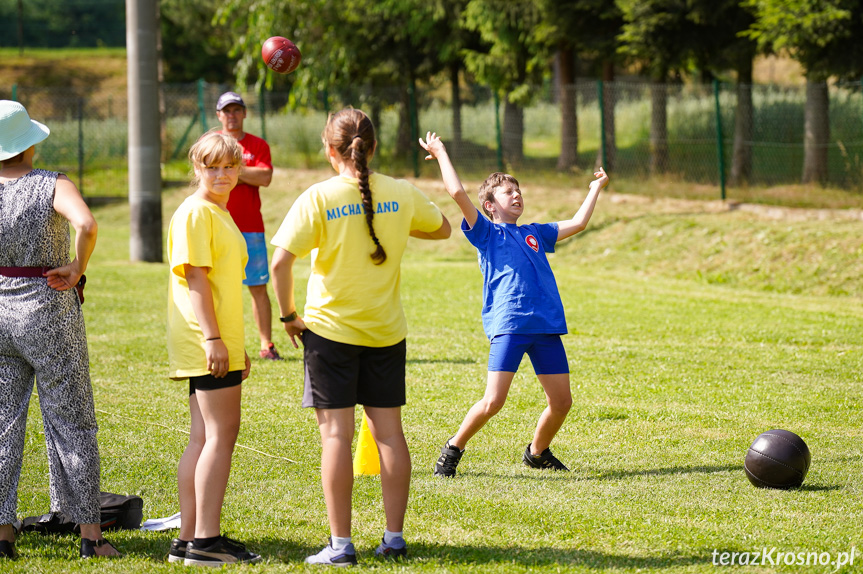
pixel 330 557
pixel 396 549
pixel 545 460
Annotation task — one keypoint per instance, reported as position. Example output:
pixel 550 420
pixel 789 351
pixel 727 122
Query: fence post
pixel 14 92
pixel 412 111
pixel 498 135
pixel 201 111
pixel 719 138
pixel 262 108
pixel 600 94
pixel 81 145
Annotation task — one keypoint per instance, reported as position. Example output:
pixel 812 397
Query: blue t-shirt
pixel 519 292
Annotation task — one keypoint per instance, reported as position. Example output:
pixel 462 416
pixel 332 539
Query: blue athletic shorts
pixel 546 352
pixel 257 269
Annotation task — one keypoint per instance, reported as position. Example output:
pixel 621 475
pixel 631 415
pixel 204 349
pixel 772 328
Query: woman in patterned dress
pixel 42 334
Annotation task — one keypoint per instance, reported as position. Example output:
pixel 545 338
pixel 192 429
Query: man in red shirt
pixel 245 207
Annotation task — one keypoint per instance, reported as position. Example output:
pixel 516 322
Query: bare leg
pixel 186 471
pixel 263 313
pixel 489 405
pixel 7 533
pixel 337 472
pixel 385 425
pixel 559 399
pixel 220 411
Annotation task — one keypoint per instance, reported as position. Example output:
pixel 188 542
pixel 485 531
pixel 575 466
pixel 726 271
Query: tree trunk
pixel 658 127
pixel 568 157
pixel 741 160
pixel 816 132
pixel 20 27
pixel 375 115
pixel 513 133
pixel 403 133
pixel 609 97
pixel 455 91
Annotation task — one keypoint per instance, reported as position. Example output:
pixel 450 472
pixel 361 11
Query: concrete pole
pixel 145 178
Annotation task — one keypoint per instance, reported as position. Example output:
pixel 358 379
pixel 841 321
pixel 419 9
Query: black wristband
pixel 214 339
pixel 289 318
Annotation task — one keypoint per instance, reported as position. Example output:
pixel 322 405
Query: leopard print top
pixel 32 234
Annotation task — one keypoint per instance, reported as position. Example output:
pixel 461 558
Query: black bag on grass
pixel 118 512
pixel 121 512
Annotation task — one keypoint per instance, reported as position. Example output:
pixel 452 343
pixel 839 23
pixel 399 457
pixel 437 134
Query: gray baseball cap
pixel 229 98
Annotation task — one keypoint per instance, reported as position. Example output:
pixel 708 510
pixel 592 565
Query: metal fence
pixel 89 130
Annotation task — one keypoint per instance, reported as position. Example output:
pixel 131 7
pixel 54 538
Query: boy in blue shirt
pixel 522 311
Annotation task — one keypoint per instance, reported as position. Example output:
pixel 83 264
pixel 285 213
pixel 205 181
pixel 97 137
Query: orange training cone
pixel 366 460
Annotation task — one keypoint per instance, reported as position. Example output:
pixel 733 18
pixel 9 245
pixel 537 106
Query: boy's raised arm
pixel 434 146
pixel 579 221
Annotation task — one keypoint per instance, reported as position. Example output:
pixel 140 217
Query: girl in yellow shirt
pixel 355 226
pixel 207 255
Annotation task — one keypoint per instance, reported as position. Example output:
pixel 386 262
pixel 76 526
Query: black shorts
pixel 339 375
pixel 211 383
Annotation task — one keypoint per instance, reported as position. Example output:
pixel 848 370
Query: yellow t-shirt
pixel 202 234
pixel 350 299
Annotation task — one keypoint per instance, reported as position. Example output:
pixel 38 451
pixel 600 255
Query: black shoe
pixel 88 548
pixel 223 551
pixel 7 549
pixel 449 458
pixel 544 460
pixel 178 550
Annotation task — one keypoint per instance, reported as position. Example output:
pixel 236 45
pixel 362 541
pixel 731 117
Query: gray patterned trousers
pixel 42 337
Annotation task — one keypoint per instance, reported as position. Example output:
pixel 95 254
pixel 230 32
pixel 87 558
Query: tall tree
pixel 723 47
pixel 347 46
pixel 62 23
pixel 187 28
pixel 449 53
pixel 516 56
pixel 586 28
pixel 659 35
pixel 820 35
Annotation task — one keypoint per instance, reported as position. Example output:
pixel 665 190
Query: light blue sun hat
pixel 17 131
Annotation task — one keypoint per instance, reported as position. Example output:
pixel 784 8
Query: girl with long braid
pixel 355 226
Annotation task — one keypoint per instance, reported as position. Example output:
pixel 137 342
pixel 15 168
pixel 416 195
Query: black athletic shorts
pixel 211 383
pixel 339 375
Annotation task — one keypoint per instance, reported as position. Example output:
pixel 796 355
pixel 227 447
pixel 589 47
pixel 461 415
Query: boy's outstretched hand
pixel 601 178
pixel 433 145
pixel 437 150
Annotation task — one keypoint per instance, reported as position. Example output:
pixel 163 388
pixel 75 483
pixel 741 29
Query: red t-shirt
pixel 245 201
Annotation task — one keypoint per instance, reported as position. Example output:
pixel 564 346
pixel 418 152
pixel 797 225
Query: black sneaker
pixel 178 550
pixel 7 549
pixel 449 457
pixel 543 461
pixel 223 551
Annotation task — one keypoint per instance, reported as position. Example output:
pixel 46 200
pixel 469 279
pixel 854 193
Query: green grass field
pixel 692 330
